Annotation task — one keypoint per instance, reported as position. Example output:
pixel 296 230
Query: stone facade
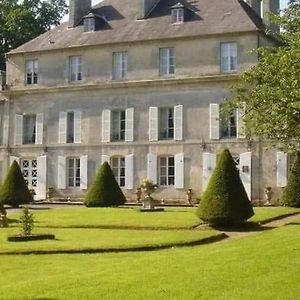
pixel 95 105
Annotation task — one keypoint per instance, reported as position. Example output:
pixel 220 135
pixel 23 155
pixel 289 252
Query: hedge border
pixel 32 237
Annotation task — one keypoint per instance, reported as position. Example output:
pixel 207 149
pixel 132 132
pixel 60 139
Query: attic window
pixel 89 24
pixel 177 15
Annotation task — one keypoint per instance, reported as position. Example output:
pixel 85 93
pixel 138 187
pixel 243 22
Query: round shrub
pixel 14 190
pixel 225 201
pixel 105 190
pixel 291 193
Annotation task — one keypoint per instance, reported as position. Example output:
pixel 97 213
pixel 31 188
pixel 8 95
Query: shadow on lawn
pixel 244 227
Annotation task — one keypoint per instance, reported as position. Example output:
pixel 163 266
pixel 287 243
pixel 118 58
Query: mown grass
pixel 265 266
pixel 89 239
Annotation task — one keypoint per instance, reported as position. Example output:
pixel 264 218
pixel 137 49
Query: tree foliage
pixel 225 201
pixel 271 90
pixel 21 21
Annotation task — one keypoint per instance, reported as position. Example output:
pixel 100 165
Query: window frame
pixel 177 15
pixel 229 127
pixel 119 65
pixel 119 117
pixel 75 68
pixel 89 24
pixel 70 127
pixel 76 166
pixel 169 178
pixel 229 57
pixel 167 61
pixel 26 140
pixel 165 117
pixel 119 171
pixel 32 77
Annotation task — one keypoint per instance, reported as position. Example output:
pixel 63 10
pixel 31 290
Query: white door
pixel 245 168
pixel 30 172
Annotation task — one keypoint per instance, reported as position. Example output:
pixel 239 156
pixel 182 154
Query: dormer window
pixel 177 15
pixel 89 24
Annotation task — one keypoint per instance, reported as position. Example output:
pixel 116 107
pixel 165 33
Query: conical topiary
pixel 291 194
pixel 225 201
pixel 105 190
pixel 14 190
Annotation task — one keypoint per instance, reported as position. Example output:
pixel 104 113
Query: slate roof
pixel 209 17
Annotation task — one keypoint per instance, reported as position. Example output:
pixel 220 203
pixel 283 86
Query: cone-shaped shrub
pixel 105 190
pixel 225 201
pixel 291 193
pixel 14 190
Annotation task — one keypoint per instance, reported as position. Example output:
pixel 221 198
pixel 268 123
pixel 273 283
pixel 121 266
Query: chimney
pixel 145 7
pixel 77 10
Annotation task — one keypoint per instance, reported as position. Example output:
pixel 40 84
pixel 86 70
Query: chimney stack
pixel 77 10
pixel 145 7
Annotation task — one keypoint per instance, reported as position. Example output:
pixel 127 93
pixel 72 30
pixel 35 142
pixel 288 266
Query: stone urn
pixel 148 187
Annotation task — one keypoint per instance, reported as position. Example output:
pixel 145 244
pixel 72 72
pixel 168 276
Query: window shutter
pixel 106 125
pixel 12 159
pixel 129 172
pixel 281 169
pixel 153 124
pixel 214 121
pixel 39 127
pixel 179 171
pixel 105 158
pixel 240 124
pixel 61 173
pixel 152 167
pixel 246 171
pixel 18 129
pixel 5 130
pixel 84 172
pixel 208 165
pixel 62 130
pixel 129 127
pixel 77 126
pixel 178 122
pixel 41 178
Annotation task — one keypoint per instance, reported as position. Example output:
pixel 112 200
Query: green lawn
pixel 265 266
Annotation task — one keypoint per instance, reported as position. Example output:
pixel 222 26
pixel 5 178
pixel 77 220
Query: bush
pixel 14 190
pixel 225 201
pixel 105 190
pixel 26 221
pixel 291 194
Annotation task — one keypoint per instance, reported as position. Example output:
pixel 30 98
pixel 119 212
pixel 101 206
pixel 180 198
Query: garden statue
pixel 148 187
pixel 138 193
pixel 3 218
pixel 268 195
pixel 189 195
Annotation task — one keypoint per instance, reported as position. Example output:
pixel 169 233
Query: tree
pixel 291 193
pixel 270 89
pixel 22 21
pixel 225 201
pixel 14 190
pixel 105 190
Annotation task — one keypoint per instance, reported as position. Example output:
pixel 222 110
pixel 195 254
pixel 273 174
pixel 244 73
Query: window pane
pixel 70 127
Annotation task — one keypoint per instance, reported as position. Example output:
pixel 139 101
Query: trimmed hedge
pixel 14 190
pixel 105 190
pixel 32 237
pixel 225 201
pixel 291 193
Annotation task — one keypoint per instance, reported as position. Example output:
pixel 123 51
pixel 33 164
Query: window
pixel 70 127
pixel 29 170
pixel 118 168
pixel 177 15
pixel 32 71
pixel 166 61
pixel 74 172
pixel 75 68
pixel 89 24
pixel 167 171
pixel 166 123
pixel 118 124
pixel 119 65
pixel 228 57
pixel 29 129
pixel 229 126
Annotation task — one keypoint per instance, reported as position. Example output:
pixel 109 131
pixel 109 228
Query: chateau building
pixel 139 84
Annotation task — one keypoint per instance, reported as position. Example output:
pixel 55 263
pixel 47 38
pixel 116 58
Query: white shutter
pixel 240 112
pixel 214 121
pixel 41 188
pixel 106 125
pixel 179 171
pixel 12 159
pixel 77 127
pixel 6 130
pixel 83 172
pixel 129 174
pixel 153 124
pixel 246 171
pixel 62 128
pixel 18 129
pixel 152 167
pixel 281 169
pixel 39 128
pixel 105 158
pixel 178 122
pixel 61 173
pixel 208 165
pixel 129 126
